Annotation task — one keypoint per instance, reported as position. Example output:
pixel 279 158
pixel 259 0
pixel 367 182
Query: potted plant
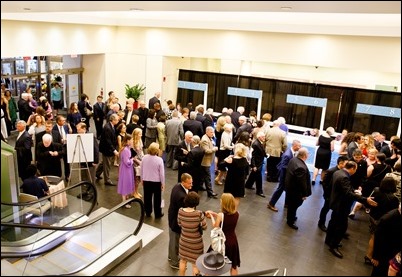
pixel 134 92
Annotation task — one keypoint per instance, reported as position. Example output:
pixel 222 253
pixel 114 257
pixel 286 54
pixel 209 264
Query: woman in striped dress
pixel 191 245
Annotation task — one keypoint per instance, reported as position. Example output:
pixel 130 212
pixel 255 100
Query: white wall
pixel 146 55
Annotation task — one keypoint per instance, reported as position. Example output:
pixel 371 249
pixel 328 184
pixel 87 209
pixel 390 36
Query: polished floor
pixel 264 238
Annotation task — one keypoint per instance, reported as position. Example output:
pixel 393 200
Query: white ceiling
pixel 358 18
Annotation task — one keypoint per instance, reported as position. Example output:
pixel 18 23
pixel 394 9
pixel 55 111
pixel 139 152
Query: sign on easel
pixel 84 150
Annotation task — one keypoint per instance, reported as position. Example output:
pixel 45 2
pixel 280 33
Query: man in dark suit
pixel 62 129
pixel 257 161
pixel 193 164
pixel 183 149
pixel 235 116
pixel 282 167
pixel 193 125
pixel 297 185
pixel 342 197
pixel 23 146
pixel 142 113
pixel 107 146
pixel 49 130
pixel 99 115
pixel 179 192
pixel 327 188
pixel 154 100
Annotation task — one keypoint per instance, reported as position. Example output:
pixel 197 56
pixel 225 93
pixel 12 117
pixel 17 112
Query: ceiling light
pixel 286 8
pixel 136 9
pixel 27 9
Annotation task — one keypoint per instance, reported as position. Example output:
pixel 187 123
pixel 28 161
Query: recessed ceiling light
pixel 27 9
pixel 136 9
pixel 286 8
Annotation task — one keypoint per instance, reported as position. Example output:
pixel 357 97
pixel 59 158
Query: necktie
pixel 62 133
pixel 188 147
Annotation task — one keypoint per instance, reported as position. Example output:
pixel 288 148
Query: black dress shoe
pixel 159 216
pixel 293 226
pixel 261 194
pixel 99 178
pixel 322 227
pixel 213 195
pixel 336 252
pixel 109 184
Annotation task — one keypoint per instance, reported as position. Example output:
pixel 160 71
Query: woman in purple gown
pixel 125 186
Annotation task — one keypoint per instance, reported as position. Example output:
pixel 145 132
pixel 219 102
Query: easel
pixel 79 145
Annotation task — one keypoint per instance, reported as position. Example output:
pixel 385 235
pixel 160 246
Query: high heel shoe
pixel 367 260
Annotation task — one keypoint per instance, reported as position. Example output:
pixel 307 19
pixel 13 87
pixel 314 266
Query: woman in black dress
pixel 325 145
pixel 230 216
pixel 237 166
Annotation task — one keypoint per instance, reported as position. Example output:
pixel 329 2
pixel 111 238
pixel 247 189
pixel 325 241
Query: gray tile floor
pixel 264 238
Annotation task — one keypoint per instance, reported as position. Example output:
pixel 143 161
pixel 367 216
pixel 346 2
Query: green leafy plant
pixel 135 91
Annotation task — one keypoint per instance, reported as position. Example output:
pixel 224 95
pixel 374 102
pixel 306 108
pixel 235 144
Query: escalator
pixel 71 239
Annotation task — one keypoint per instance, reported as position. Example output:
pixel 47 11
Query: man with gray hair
pixel 23 146
pixel 209 155
pixel 174 135
pixel 193 125
pixel 297 185
pixel 48 156
pixel 182 153
pixel 275 145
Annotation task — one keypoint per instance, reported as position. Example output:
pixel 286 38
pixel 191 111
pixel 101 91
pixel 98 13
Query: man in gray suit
pixel 174 134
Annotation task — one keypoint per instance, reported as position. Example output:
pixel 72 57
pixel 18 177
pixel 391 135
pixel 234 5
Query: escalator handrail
pixel 48 197
pixel 85 224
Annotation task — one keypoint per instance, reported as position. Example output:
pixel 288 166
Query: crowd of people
pixel 192 141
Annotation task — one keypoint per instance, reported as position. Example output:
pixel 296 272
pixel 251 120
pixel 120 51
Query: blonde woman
pixel 125 185
pixel 138 155
pixel 121 133
pixel 326 146
pixel 230 217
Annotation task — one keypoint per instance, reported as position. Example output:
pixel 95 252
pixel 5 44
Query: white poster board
pixel 80 148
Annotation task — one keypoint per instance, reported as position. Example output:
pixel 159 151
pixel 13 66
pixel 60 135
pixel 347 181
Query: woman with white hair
pixel 48 156
pixel 323 155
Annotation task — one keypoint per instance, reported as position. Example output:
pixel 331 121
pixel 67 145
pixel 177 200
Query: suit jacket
pixel 24 154
pixel 108 141
pixel 193 166
pixel 285 159
pixel 327 182
pixel 181 157
pixel 243 128
pixel 297 181
pixel 207 145
pixel 56 129
pixel 174 131
pixel 126 119
pixel 143 115
pixel 342 194
pixel 99 112
pixel 176 202
pixel 258 155
pixel 194 126
pixel 275 142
